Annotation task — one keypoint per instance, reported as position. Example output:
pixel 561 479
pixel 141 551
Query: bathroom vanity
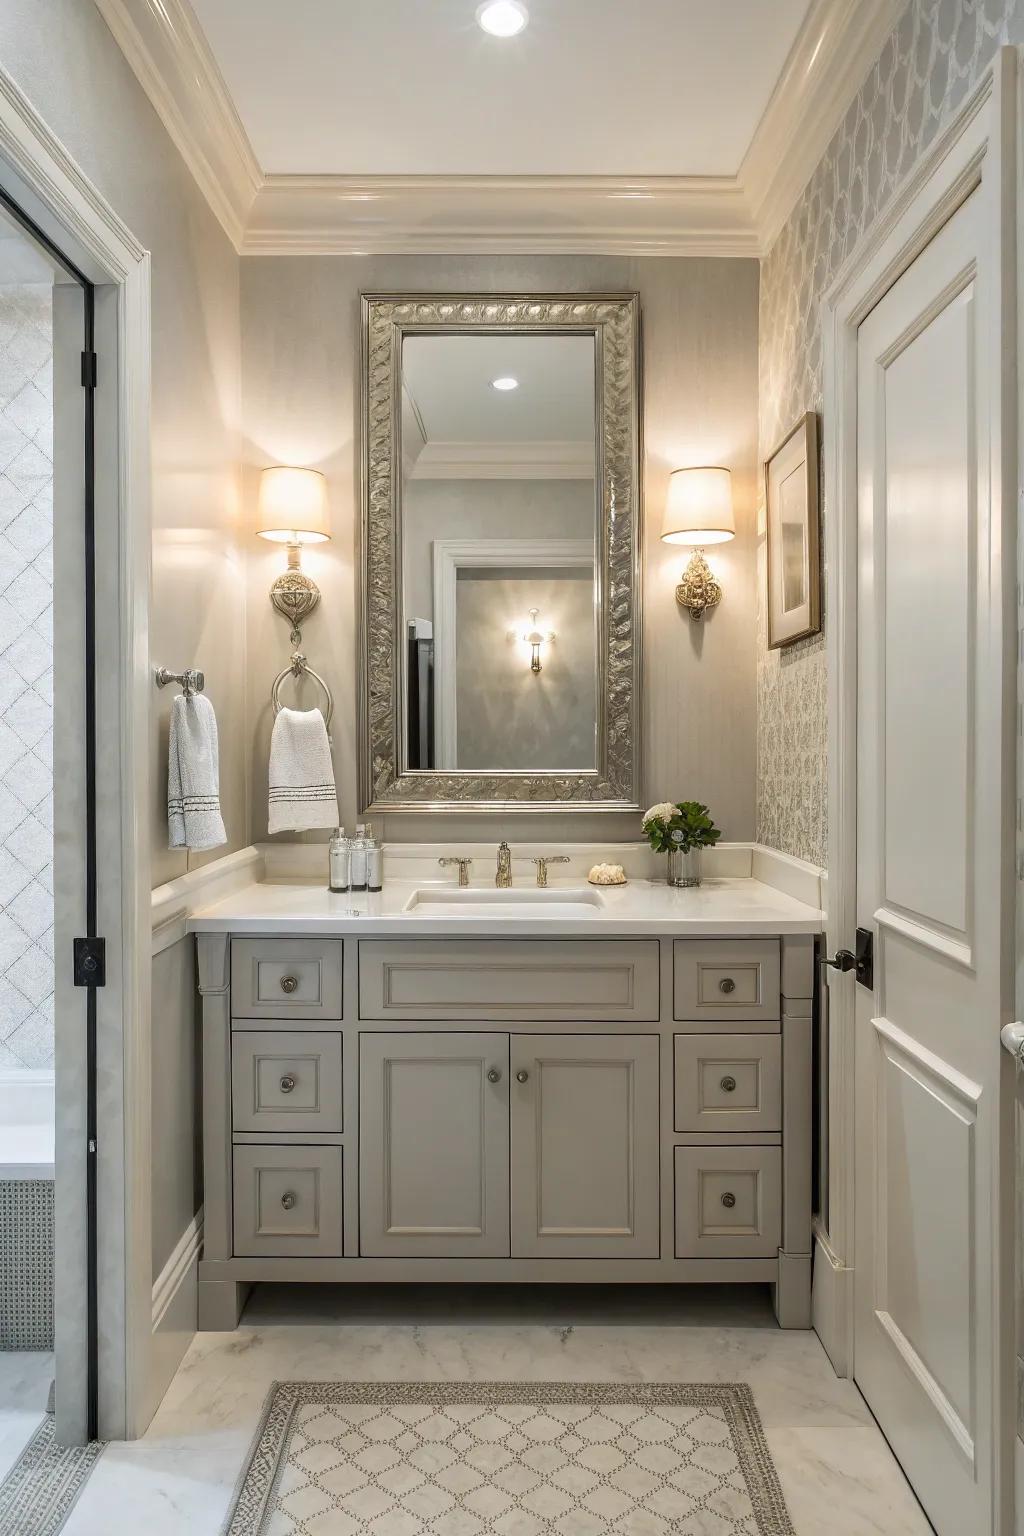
pixel 519 1085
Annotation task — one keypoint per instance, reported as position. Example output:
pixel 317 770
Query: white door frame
pixel 977 150
pixel 453 555
pixel 37 172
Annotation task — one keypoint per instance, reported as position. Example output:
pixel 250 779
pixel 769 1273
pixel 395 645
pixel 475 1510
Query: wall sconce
pixel 535 639
pixel 699 511
pixel 293 511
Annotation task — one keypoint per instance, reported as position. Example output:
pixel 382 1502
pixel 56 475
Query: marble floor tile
pixel 180 1477
pixel 25 1379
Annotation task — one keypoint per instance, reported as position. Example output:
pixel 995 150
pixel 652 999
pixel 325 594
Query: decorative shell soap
pixel 607 874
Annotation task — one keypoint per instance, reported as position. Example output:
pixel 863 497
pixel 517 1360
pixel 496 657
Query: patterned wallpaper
pixel 26 662
pixel 927 67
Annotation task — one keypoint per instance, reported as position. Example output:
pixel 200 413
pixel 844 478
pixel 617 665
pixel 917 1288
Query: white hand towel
pixel 302 789
pixel 193 775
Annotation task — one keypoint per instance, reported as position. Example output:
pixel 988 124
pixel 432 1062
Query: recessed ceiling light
pixel 507 382
pixel 502 18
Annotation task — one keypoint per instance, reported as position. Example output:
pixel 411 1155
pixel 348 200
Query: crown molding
pixel 167 49
pixel 837 45
pixel 551 460
pixel 503 215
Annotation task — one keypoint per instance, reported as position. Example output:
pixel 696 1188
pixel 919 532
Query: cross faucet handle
pixel 463 868
pixel 542 865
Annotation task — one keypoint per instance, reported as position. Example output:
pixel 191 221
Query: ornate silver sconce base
pixel 698 591
pixel 295 595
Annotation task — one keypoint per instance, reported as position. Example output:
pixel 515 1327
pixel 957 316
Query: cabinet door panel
pixel 585 1156
pixel 433 1145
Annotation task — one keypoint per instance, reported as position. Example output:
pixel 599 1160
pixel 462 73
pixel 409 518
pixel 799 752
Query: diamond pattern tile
pixel 26 673
pixel 938 51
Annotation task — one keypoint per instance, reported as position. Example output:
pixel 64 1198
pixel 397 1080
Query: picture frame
pixel 793 544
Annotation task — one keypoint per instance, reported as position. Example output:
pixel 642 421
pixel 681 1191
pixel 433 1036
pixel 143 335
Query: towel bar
pixel 191 680
pixel 299 668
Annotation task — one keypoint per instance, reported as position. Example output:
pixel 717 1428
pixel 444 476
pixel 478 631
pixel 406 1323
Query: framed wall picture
pixel 794 560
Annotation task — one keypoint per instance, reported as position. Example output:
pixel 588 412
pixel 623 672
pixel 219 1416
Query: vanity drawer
pixel 728 1082
pixel 722 981
pixel 526 980
pixel 285 1081
pixel 287 1202
pixel 286 978
pixel 728 1202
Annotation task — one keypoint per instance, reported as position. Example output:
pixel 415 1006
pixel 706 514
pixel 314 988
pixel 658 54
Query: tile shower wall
pixel 26 660
pixel 938 51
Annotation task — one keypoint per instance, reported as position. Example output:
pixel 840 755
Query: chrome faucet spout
pixel 503 878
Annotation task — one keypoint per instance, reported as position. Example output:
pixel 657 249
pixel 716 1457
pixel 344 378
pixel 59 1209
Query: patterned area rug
pixel 39 1492
pixel 466 1458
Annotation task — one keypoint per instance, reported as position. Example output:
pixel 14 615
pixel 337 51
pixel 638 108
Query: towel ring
pixel 301 668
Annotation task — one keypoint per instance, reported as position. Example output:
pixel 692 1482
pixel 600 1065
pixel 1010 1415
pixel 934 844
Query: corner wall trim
pixel 179 1266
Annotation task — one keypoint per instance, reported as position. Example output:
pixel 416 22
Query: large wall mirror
pixel 501 552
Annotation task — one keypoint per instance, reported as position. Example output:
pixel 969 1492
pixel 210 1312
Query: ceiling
pixel 414 87
pixel 634 127
pixel 449 379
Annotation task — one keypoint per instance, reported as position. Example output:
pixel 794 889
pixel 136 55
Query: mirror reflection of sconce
pixel 293 511
pixel 699 511
pixel 534 638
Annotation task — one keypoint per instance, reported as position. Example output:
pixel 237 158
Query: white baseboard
pixel 174 1275
pixel 174 1312
pixel 832 1305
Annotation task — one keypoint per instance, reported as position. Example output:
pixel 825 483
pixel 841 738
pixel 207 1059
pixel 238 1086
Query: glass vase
pixel 683 868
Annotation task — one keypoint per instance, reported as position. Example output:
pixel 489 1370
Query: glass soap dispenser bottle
pixel 374 861
pixel 338 862
pixel 357 859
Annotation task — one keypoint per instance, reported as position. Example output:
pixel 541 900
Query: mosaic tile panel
pixel 26 1264
pixel 938 51
pixel 26 677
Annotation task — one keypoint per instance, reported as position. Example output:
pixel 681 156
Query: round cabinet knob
pixel 727 985
pixel 289 983
pixel 288 1200
pixel 728 1200
pixel 287 1083
pixel 494 1075
pixel 728 1085
pixel 522 1076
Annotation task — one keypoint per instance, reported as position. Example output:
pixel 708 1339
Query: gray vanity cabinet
pixel 400 1107
pixel 433 1144
pixel 585 1148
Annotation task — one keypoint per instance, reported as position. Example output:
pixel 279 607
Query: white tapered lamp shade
pixel 292 506
pixel 698 508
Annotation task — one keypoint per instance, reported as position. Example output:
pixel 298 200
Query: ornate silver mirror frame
pixel 613 321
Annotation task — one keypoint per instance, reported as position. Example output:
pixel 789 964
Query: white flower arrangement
pixel 683 825
pixel 663 811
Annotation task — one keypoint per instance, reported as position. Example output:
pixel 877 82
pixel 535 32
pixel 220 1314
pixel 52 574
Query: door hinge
pixel 90 962
pixel 89 370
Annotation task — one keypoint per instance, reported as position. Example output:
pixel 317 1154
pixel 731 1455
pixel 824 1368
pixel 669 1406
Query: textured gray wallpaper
pixel 937 52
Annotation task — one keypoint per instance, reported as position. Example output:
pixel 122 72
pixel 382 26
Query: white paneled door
pixel 932 799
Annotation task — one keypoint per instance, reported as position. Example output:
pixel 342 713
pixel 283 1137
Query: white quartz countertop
pixel 723 907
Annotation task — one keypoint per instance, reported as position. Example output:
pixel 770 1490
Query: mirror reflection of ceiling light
pixel 505 383
pixel 502 18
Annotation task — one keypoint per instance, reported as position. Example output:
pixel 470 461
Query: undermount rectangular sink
pixel 513 902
